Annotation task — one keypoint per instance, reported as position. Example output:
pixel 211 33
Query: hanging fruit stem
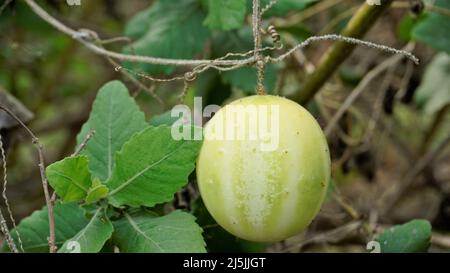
pixel 256 21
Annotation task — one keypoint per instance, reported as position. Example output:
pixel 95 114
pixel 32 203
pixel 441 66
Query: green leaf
pixel 34 230
pixel 96 192
pixel 163 119
pixel 283 7
pixel 218 239
pixel 226 14
pixel 299 31
pixel 433 93
pixel 115 117
pixel 405 27
pixel 92 237
pixel 411 237
pixel 147 233
pixel 211 88
pixel 168 29
pixel 22 16
pixel 433 30
pixel 243 78
pixel 70 178
pixel 151 167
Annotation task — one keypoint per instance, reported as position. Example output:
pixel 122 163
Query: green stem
pixel 359 24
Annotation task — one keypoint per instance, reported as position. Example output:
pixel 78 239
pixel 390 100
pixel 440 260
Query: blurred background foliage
pixel 401 115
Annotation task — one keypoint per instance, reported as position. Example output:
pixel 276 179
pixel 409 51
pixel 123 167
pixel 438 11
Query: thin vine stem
pixel 222 64
pixel 83 38
pixel 5 198
pixel 41 164
pixel 256 22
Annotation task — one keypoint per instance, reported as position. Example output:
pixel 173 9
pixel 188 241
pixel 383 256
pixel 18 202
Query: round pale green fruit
pixel 264 168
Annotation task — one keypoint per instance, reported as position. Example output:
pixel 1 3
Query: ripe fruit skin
pixel 261 195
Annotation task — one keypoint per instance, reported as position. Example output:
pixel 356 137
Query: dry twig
pixel 392 194
pixel 360 88
pixel 5 198
pixel 39 148
pixel 330 236
pixel 84 143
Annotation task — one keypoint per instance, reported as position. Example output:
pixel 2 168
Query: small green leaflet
pixel 146 233
pixel 434 91
pixel 226 14
pixel 96 192
pixel 34 229
pixel 151 167
pixel 168 29
pixel 70 178
pixel 92 237
pixel 406 26
pixel 411 237
pixel 115 117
